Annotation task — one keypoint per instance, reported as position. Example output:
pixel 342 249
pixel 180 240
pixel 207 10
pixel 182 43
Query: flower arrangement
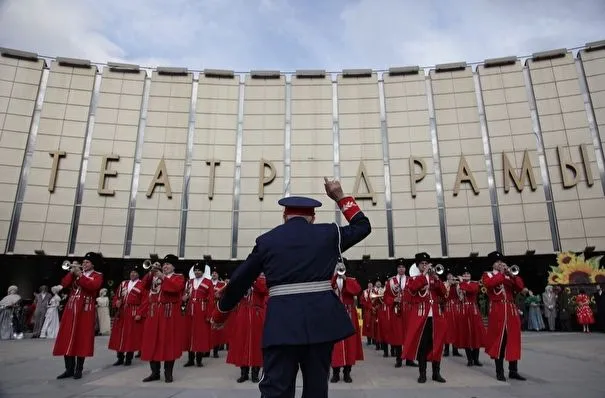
pixel 575 269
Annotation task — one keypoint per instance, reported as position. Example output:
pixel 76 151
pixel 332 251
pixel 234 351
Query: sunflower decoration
pixel 572 269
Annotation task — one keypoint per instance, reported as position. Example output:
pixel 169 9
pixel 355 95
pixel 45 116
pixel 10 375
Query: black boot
pixel 398 362
pixel 469 356
pixel 436 373
pixel 70 365
pixel 385 350
pixel 335 375
pixel 476 357
pixel 410 363
pixel 500 370
pixel 198 359
pixel 190 358
pixel 346 374
pixel 155 372
pixel 446 350
pixel 369 342
pixel 422 370
pixel 513 373
pixel 79 367
pixel 254 377
pixel 455 352
pixel 128 360
pixel 120 360
pixel 392 351
pixel 168 367
pixel 138 354
pixel 377 345
pixel 215 352
pixel 244 375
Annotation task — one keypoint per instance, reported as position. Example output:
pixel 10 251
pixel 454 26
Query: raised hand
pixel 333 189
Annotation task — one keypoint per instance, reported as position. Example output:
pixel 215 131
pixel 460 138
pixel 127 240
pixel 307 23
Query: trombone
pixel 68 265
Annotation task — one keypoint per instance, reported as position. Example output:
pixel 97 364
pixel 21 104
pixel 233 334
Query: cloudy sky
pixel 297 34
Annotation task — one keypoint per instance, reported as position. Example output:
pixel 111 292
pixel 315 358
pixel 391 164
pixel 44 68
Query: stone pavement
pixel 556 365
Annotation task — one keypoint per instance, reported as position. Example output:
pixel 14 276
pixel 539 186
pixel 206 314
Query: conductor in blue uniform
pixel 304 317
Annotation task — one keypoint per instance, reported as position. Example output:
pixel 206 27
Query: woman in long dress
pixel 50 328
pixel 534 321
pixel 103 313
pixel 583 311
pixel 8 306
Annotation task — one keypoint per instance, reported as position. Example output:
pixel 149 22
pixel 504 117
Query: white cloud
pixel 290 34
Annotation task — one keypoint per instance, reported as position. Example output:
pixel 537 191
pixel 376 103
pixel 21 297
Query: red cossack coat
pixel 247 327
pixel 503 315
pixel 200 304
pixel 426 294
pixel 394 294
pixel 127 329
pixel 164 324
pixel 471 332
pixel 349 350
pixel 219 336
pixel 383 320
pixel 366 308
pixel 452 313
pixel 76 336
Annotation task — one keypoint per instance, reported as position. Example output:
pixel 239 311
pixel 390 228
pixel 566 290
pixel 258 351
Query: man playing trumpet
pixel 76 338
pixel 503 339
pixel 163 330
pixel 425 332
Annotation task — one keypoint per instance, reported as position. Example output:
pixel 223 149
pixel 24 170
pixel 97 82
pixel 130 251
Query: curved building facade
pixel 452 160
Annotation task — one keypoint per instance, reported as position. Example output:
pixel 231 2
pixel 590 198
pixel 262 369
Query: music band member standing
pixel 346 352
pixel 199 295
pixel 452 315
pixel 127 330
pixel 76 338
pixel 503 340
pixel 245 341
pixel 219 336
pixel 426 328
pixel 367 308
pixel 471 332
pixel 163 330
pixel 304 317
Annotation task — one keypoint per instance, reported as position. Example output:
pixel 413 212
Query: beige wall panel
pixel 157 219
pixel 263 138
pixel 415 220
pixel 312 142
pixel 62 127
pixel 457 116
pixel 510 132
pixel 361 141
pixel 19 80
pixel 103 218
pixel 565 124
pixel 209 221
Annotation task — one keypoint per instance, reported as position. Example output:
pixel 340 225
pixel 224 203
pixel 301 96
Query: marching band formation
pixel 163 315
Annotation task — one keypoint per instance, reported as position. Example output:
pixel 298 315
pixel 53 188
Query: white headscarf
pixel 11 298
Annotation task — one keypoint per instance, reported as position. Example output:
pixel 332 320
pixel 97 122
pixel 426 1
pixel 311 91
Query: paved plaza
pixel 556 365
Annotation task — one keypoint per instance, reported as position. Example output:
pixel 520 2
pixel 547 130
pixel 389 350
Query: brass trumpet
pixel 514 270
pixel 147 264
pixel 68 265
pixel 341 269
pixel 378 295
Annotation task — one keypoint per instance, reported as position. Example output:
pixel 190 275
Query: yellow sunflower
pixel 556 279
pixel 577 273
pixel 598 276
pixel 565 259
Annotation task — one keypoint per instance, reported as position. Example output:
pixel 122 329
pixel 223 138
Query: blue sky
pixel 296 34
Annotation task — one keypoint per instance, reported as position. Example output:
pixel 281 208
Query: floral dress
pixel 583 311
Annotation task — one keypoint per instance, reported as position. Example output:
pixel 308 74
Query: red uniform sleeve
pixel 493 281
pixel 67 280
pixel 260 286
pixel 416 283
pixel 352 287
pixel 349 207
pixel 439 287
pixel 144 307
pixel 147 280
pixel 389 297
pixel 116 296
pixel 174 284
pixel 91 284
pixel 518 284
pixel 470 287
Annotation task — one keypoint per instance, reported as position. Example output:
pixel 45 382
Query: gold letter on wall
pixel 564 164
pixel 265 179
pixel 586 162
pixel 212 163
pixel 464 175
pixel 160 178
pixel 526 170
pixel 362 176
pixel 414 178
pixel 105 172
pixel 56 155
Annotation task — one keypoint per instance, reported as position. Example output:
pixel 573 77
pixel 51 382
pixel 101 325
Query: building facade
pixel 452 160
